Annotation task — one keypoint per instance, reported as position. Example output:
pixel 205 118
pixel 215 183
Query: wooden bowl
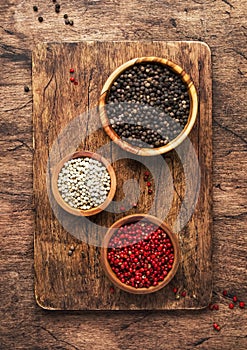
pixel 57 194
pixel 104 250
pixel 173 143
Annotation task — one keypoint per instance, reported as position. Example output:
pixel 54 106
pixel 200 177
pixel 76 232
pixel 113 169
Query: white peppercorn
pixel 84 183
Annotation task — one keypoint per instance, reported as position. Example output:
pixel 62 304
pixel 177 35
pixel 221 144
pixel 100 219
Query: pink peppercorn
pixel 134 256
pixel 216 327
pixel 241 305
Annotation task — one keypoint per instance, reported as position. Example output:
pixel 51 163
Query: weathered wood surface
pixel 79 283
pixel 222 24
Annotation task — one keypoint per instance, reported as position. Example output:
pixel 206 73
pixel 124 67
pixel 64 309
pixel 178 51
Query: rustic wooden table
pixel 222 25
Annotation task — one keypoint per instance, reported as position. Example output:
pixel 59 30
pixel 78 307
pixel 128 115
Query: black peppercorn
pixel 57 8
pixel 71 22
pixel 148 105
pixel 40 19
pixel 26 88
pixel 65 16
pixel 66 21
pixel 35 8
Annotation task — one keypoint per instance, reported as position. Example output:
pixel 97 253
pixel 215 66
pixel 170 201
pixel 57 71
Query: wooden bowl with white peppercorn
pixel 83 183
pixel 146 256
pixel 169 132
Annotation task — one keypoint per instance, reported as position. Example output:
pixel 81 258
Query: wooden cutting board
pixel 65 118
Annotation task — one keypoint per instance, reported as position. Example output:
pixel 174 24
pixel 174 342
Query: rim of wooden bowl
pixel 173 143
pixel 130 219
pixel 67 207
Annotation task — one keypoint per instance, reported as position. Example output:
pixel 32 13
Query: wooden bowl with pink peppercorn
pixel 140 254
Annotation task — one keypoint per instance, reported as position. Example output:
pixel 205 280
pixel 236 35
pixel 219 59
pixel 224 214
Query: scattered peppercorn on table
pixel 79 281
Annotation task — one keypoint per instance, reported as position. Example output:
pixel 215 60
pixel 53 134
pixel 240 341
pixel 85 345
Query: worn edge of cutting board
pixel 209 153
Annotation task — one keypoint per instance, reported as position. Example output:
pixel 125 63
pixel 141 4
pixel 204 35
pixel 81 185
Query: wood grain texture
pixel 62 281
pixel 23 325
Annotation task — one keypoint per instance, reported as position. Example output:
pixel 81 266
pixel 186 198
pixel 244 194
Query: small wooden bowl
pixel 67 207
pixel 104 250
pixel 173 143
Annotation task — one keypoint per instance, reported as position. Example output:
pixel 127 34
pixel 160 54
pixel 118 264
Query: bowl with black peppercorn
pixel 140 254
pixel 83 183
pixel 148 105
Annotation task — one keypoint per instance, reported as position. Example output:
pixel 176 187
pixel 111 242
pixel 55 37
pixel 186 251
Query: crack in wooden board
pixel 78 283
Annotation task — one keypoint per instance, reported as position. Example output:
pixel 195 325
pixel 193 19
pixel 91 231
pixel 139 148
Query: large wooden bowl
pixel 104 250
pixel 173 143
pixel 57 194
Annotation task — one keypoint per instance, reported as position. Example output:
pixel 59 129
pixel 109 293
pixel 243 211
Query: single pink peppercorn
pixel 241 305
